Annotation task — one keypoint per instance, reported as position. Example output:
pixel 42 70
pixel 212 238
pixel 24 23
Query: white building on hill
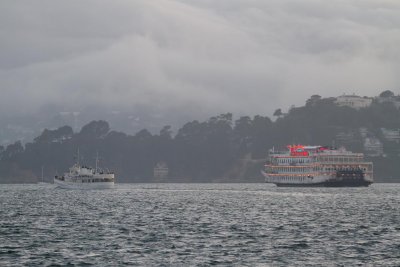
pixel 161 170
pixel 373 147
pixel 353 101
pixel 391 134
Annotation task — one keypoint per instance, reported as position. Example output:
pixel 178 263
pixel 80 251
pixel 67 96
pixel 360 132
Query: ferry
pixel 302 165
pixel 82 177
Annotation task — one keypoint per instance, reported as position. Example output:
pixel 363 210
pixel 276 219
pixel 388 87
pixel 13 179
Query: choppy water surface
pixel 200 224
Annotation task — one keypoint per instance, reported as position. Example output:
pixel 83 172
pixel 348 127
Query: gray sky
pixel 243 56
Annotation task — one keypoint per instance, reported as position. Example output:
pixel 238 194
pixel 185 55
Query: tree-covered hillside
pixel 219 149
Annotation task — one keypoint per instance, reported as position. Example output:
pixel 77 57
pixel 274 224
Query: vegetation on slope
pixel 219 149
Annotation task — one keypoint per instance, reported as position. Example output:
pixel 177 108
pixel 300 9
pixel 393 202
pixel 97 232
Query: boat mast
pixel 97 160
pixel 78 166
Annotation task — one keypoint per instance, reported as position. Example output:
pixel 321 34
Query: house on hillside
pixel 160 171
pixel 353 101
pixel 363 132
pixel 392 135
pixel 373 147
pixel 345 138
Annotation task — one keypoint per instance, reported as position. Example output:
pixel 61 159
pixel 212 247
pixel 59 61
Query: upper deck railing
pixel 300 150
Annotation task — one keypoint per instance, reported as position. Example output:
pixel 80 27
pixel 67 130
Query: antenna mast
pixel 78 158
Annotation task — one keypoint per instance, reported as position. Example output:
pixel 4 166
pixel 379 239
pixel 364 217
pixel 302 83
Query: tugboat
pixel 302 165
pixel 82 177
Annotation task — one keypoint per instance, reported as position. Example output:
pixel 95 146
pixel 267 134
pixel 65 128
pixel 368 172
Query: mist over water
pixel 200 224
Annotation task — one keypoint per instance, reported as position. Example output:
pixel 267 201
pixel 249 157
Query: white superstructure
pixel 82 177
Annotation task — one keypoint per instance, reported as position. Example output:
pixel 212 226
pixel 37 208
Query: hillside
pixel 218 149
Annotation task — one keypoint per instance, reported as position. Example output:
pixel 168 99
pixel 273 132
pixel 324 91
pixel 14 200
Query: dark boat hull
pixel 329 184
pixel 344 178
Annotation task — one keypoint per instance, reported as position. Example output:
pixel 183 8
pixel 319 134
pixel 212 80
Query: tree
pixel 262 136
pixel 13 150
pixel 387 93
pixel 278 112
pixel 166 132
pixel 242 135
pixel 59 135
pixel 95 129
pixel 143 135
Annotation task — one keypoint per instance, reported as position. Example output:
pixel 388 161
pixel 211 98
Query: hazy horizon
pixel 207 57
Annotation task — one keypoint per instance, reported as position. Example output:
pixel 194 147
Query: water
pixel 200 225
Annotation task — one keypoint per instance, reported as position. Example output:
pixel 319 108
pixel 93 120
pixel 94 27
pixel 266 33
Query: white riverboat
pixel 82 177
pixel 317 166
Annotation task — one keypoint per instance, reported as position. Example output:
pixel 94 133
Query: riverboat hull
pixel 340 180
pixel 328 184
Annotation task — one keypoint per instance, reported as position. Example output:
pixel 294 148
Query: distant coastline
pixel 220 149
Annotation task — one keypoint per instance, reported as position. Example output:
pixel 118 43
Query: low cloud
pixel 247 57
